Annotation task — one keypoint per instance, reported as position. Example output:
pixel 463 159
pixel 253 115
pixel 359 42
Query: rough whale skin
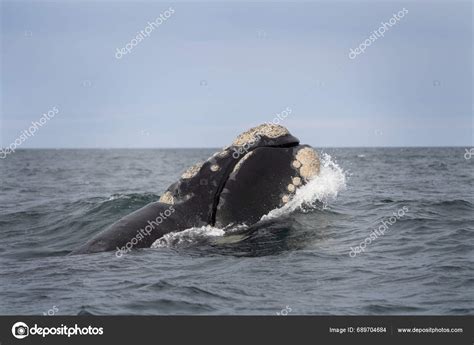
pixel 259 172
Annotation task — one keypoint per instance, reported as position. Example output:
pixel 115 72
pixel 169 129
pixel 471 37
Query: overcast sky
pixel 214 69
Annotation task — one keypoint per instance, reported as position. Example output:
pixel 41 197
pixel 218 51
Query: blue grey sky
pixel 214 69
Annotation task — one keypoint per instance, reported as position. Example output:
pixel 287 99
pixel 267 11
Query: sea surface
pixel 306 258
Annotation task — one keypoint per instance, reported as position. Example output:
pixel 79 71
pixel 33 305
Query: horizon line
pixel 215 147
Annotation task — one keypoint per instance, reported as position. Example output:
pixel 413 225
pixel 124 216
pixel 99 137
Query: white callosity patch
pixel 267 129
pixel 223 154
pixel 296 164
pixel 192 171
pixel 307 164
pixel 309 160
pixel 167 198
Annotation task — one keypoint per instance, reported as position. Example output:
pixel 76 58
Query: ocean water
pixel 297 260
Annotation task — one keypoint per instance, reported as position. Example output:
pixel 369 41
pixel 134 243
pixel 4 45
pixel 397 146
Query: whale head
pixel 260 171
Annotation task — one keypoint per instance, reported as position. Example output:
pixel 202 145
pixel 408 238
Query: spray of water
pixel 321 189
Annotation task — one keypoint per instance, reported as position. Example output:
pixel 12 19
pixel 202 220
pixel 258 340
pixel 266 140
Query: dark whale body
pixel 261 171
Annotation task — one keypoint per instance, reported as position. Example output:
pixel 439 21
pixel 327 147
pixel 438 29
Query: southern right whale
pixel 259 172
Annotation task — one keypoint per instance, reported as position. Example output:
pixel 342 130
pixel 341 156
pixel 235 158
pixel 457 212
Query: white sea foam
pixel 187 236
pixel 323 189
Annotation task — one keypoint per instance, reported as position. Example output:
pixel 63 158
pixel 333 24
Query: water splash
pixel 319 192
pixel 188 236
